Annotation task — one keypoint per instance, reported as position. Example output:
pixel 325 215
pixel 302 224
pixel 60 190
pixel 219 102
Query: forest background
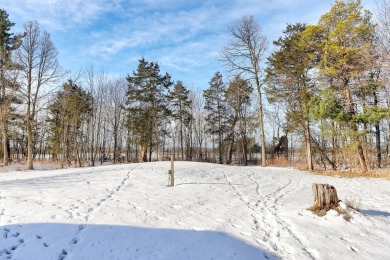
pixel 317 97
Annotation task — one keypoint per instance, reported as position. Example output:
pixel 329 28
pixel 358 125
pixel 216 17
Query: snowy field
pixel 213 212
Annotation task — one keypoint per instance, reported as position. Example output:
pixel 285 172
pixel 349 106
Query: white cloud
pixel 184 36
pixel 60 14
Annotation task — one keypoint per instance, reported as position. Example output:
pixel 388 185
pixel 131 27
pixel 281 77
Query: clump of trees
pixel 324 91
pixel 337 84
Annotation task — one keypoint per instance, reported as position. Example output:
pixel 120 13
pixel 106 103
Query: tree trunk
pixel 262 135
pixel 143 153
pixel 308 146
pixel 325 197
pixel 377 136
pixel 231 139
pixel 29 145
pixel 5 142
pixel 354 127
pixel 4 120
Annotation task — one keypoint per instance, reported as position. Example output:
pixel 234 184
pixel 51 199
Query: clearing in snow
pixel 213 212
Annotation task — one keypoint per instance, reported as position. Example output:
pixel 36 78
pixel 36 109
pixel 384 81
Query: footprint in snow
pixel 235 225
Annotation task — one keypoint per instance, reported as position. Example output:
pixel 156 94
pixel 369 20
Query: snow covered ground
pixel 213 212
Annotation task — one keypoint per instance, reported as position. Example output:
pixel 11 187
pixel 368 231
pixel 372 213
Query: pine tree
pixel 8 43
pixel 289 82
pixel 147 106
pixel 69 111
pixel 180 106
pixel 215 105
pixel 238 97
pixel 345 57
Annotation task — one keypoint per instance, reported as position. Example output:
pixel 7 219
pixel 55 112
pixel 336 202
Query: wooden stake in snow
pixel 172 172
pixel 325 197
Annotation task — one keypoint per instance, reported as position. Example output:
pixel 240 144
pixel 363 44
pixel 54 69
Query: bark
pixel 6 157
pixel 354 128
pixel 308 146
pixel 377 136
pixel 143 153
pixel 30 165
pixel 262 135
pixel 231 139
pixel 325 197
pixel 4 120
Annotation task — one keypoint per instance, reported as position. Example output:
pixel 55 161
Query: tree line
pixel 321 96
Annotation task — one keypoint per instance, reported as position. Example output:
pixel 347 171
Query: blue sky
pixel 185 37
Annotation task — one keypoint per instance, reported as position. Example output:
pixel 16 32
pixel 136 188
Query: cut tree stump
pixel 325 198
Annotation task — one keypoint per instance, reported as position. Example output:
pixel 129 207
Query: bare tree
pixel 243 54
pixel 115 105
pixel 38 56
pixel 383 29
pixel 382 15
pixel 97 85
pixel 198 101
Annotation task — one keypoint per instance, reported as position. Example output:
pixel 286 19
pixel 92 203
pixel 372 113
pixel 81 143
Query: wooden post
pixel 325 197
pixel 172 172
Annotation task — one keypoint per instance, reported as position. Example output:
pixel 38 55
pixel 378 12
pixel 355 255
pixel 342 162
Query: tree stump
pixel 325 198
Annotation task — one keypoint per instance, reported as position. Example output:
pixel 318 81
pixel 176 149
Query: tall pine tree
pixel 8 43
pixel 181 105
pixel 216 106
pixel 346 56
pixel 71 108
pixel 289 82
pixel 147 98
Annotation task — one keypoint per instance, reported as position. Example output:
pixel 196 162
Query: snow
pixel 213 212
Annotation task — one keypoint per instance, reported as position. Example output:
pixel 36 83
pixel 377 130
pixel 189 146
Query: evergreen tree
pixel 147 98
pixel 69 111
pixel 216 106
pixel 238 98
pixel 345 57
pixel 180 105
pixel 8 43
pixel 289 82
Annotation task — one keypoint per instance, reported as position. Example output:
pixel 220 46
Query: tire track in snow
pixel 264 212
pixel 73 242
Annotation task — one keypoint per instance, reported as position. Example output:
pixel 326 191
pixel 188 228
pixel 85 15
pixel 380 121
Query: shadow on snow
pixel 375 213
pixel 73 241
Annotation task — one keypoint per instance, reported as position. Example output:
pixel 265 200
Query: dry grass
pixel 353 203
pixel 347 216
pixel 382 173
pixel 322 212
pixel 279 161
pixel 300 165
